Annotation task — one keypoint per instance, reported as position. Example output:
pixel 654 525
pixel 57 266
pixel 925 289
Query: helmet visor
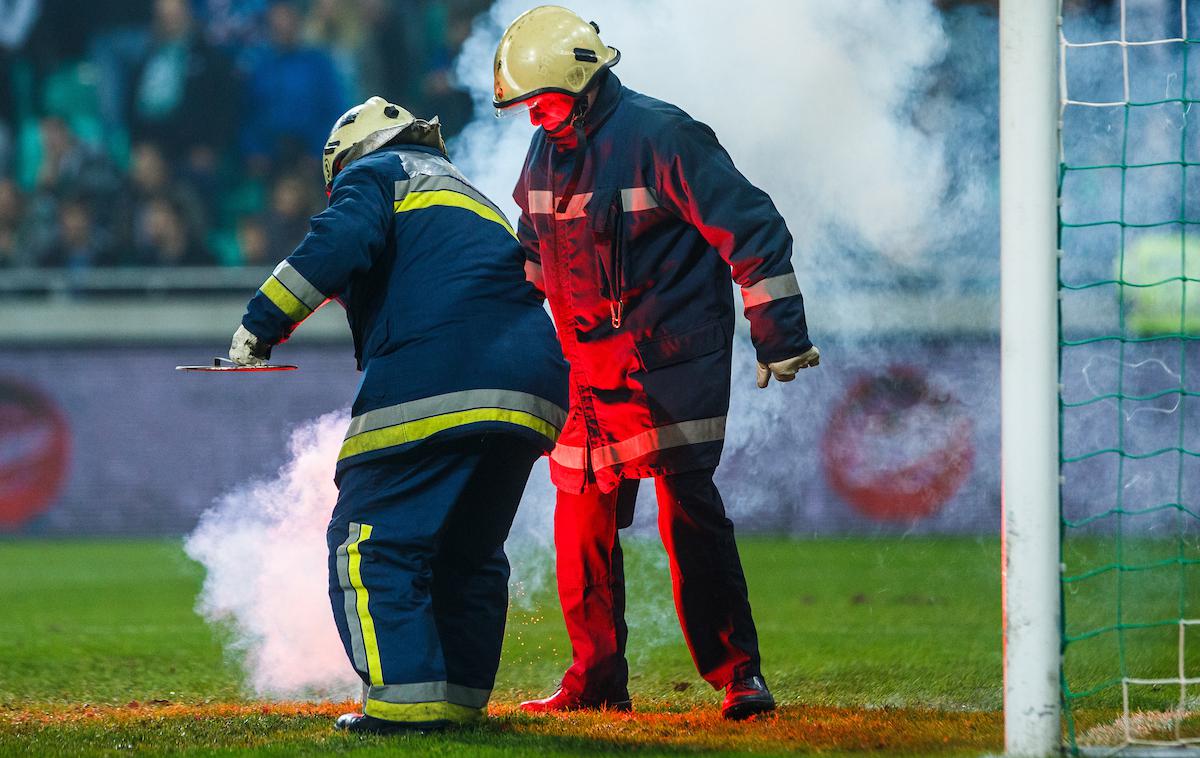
pixel 518 109
pixel 549 110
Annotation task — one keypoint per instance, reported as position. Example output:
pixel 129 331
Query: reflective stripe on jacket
pixel 636 266
pixel 450 336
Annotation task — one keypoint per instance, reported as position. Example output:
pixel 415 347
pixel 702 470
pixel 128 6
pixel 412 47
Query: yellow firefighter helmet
pixel 549 49
pixel 366 128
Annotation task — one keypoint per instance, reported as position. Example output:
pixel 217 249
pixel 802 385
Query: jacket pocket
pixel 677 348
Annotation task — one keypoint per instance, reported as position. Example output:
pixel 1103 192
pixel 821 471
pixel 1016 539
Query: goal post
pixel 1100 345
pixel 1029 122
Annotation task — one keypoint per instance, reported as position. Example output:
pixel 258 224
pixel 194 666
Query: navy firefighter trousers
pixel 418 577
pixel 711 598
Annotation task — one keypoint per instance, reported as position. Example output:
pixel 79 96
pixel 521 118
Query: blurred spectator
pixel 292 204
pixel 441 96
pixel 232 25
pixel 78 243
pixel 224 157
pixel 116 53
pixel 183 94
pixel 13 245
pixel 161 238
pixel 396 35
pixel 151 179
pixel 17 18
pixel 6 148
pixel 294 94
pixel 252 242
pixel 341 28
pixel 16 21
pixel 71 166
pixel 73 198
pixel 59 33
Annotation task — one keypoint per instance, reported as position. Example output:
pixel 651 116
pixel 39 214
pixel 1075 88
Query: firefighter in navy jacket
pixel 632 217
pixel 463 388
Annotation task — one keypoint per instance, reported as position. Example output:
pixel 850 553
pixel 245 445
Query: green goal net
pixel 1129 368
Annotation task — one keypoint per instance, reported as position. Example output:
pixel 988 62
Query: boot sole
pixel 398 727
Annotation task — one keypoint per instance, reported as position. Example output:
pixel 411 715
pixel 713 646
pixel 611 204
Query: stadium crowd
pixel 188 132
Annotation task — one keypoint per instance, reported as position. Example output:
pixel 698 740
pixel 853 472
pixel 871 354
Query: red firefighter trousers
pixel 706 574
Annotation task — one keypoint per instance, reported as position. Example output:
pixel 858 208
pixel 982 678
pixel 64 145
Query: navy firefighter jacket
pixel 449 335
pixel 636 261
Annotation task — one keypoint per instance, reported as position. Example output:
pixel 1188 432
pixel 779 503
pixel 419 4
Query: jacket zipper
pixel 612 271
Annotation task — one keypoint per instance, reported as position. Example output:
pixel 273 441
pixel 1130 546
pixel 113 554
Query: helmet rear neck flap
pixel 368 127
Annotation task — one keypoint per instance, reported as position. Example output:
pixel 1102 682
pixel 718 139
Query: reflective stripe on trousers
pixel 357 604
pixel 426 701
pixel 417 702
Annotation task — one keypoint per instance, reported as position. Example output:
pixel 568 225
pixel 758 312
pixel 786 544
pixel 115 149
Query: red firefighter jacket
pixel 636 263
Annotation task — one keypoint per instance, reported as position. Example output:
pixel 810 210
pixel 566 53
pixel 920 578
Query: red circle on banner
pixel 896 447
pixel 35 447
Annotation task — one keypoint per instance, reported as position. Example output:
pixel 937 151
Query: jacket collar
pixel 606 103
pixel 607 98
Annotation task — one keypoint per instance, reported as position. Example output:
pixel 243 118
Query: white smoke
pixel 808 96
pixel 263 547
pixel 264 551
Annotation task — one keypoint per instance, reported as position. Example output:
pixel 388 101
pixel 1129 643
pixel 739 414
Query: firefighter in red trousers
pixel 632 217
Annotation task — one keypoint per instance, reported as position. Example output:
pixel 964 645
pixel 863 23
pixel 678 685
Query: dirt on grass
pixel 804 729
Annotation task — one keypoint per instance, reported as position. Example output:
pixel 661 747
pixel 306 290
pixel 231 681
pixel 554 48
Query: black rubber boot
pixel 361 724
pixel 745 698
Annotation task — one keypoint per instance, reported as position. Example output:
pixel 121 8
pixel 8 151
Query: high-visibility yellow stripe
pixel 285 300
pixel 302 288
pixel 452 402
pixel 430 692
pixel 374 668
pixel 417 200
pixel 422 428
pixel 422 712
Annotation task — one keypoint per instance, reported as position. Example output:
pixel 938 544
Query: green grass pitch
pixel 870 645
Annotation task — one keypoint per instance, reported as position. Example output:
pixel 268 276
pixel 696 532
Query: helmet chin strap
pixel 574 122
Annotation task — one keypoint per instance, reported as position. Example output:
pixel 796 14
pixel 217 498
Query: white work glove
pixel 785 370
pixel 246 349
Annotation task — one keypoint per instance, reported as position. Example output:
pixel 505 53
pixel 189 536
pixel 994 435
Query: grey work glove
pixel 785 370
pixel 247 350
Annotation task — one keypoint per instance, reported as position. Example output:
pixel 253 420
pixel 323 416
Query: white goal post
pixel 1029 127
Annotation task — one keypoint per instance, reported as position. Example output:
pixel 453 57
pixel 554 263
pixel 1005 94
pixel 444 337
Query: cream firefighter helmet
pixel 366 128
pixel 548 49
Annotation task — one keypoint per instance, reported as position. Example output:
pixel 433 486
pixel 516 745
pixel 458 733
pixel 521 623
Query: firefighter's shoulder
pixel 378 163
pixel 665 122
pixel 373 173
